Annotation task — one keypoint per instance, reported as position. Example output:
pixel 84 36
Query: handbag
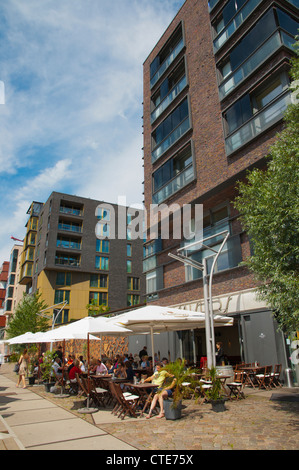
pixel 17 367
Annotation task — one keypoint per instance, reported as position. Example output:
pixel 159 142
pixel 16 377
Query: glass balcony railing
pixel 68 244
pixel 67 261
pixel 70 228
pixel 174 185
pixel 234 24
pixel 212 4
pixel 167 62
pixel 257 58
pixel 168 99
pixel 171 139
pixel 268 116
pixel 70 210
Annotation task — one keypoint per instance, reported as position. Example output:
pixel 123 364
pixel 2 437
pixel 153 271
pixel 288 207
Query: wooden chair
pixel 202 388
pixel 97 393
pixel 264 377
pixel 81 388
pixel 236 387
pixel 276 376
pixel 126 401
pixel 104 385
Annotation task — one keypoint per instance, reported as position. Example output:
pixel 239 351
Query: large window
pixel 63 279
pixel 98 298
pixel 61 296
pixel 133 299
pixel 102 263
pixel 173 175
pixel 273 30
pixel 170 130
pixel 166 56
pixel 215 221
pixel 99 281
pixel 133 283
pixel 170 88
pixel 103 246
pixel 256 111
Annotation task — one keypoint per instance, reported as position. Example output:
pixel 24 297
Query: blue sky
pixel 71 121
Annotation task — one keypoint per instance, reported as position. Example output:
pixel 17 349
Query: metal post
pixel 210 352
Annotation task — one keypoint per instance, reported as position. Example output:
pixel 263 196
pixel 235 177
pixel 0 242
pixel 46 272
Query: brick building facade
pixel 216 86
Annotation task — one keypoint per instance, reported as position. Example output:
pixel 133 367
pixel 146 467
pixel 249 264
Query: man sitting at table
pixel 163 390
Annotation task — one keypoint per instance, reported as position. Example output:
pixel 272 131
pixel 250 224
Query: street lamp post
pixel 207 287
pixel 54 316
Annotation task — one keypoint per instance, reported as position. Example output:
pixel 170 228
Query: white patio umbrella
pixel 156 319
pixel 22 339
pixel 83 329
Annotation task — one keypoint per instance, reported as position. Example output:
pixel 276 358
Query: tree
pixel 269 206
pixel 26 316
pixel 93 309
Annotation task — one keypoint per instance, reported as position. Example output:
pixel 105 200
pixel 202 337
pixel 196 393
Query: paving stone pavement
pixel 257 423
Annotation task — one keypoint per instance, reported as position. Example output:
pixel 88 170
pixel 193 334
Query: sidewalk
pixel 28 421
pixel 31 419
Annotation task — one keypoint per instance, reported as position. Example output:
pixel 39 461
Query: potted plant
pixel 215 393
pixel 47 370
pixel 184 379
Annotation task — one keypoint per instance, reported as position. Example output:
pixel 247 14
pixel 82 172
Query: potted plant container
pixel 47 370
pixel 215 393
pixel 183 376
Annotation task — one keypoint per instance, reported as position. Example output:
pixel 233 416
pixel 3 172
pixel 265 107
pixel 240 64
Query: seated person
pixel 57 367
pixel 145 362
pixel 162 391
pixel 129 370
pixel 100 368
pixel 121 371
pixel 110 366
pixel 74 370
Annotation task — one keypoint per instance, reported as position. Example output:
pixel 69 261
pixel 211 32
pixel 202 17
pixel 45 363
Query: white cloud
pixel 73 89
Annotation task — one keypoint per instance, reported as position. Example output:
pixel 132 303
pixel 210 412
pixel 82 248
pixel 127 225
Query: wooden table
pixel 250 371
pixel 141 389
pixel 223 379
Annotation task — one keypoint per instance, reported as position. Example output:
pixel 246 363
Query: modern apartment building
pixel 3 287
pixel 15 290
pixel 216 86
pixel 76 259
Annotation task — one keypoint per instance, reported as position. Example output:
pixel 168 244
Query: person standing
pixel 219 354
pixel 23 363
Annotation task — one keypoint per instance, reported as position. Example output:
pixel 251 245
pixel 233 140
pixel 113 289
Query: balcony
pixel 69 227
pixel 175 135
pixel 70 244
pixel 69 210
pixel 169 99
pixel 268 48
pixel 167 62
pixel 269 115
pixel 65 260
pixel 174 185
pixel 234 24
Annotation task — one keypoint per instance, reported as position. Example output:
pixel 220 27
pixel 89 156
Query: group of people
pixel 121 367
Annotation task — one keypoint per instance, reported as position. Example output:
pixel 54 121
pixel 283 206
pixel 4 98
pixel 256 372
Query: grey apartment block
pixel 67 242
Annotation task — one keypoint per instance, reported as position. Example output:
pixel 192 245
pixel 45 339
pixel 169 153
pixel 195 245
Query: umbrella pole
pixel 63 395
pixel 88 409
pixel 153 351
